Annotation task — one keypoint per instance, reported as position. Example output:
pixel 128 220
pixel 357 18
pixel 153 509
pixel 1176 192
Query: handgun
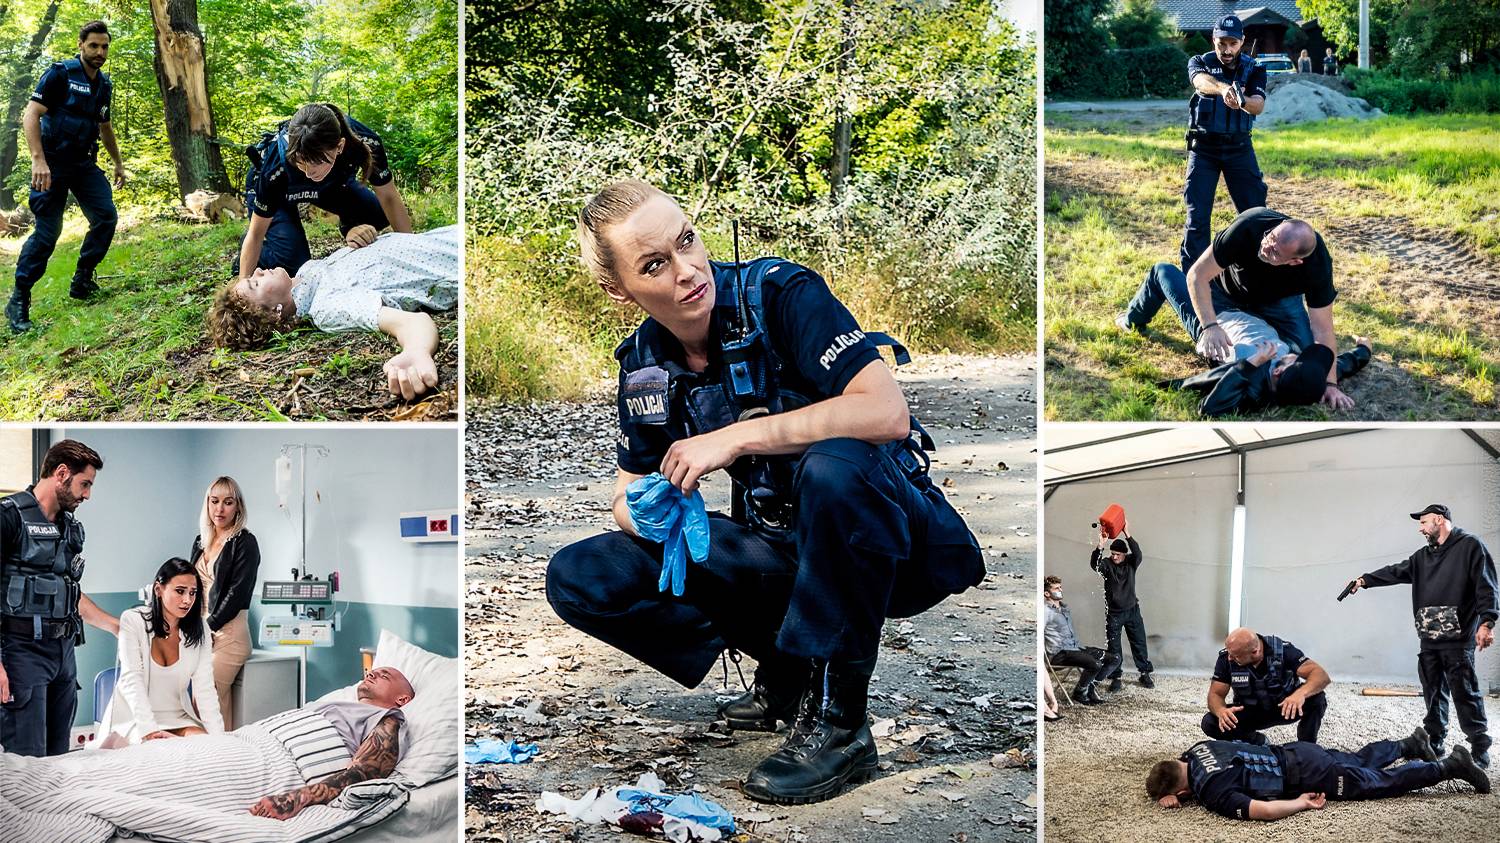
pixel 1348 590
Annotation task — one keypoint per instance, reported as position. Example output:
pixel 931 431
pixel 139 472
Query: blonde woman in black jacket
pixel 227 559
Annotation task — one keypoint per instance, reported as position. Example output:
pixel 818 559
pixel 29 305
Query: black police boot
pixel 829 746
pixel 83 288
pixel 779 684
pixel 18 312
pixel 1146 681
pixel 1116 686
pixel 1460 765
pixel 1417 746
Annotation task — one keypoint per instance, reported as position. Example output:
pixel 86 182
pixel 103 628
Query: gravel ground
pixel 954 700
pixel 1097 759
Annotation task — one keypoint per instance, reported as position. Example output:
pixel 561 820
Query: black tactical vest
pixel 1264 691
pixel 71 130
pixel 41 580
pixel 1207 759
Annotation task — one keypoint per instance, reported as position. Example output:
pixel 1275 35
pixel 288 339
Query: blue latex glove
pixel 688 807
pixel 499 752
pixel 662 513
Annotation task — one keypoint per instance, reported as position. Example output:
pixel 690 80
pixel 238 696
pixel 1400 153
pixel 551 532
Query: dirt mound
pixel 1333 83
pixel 1303 101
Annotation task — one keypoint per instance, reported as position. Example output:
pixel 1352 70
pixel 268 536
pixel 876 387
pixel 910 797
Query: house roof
pixel 1198 15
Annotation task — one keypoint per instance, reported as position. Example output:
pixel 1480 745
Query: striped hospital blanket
pixel 196 790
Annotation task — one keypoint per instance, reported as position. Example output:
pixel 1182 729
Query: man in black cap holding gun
pixel 1453 601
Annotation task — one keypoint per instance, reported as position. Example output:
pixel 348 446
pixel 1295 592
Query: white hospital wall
pixel 1317 515
pixel 354 498
pixel 1181 515
pixel 1321 513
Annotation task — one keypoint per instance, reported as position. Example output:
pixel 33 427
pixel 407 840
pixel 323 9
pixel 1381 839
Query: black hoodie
pixel 1119 580
pixel 1452 590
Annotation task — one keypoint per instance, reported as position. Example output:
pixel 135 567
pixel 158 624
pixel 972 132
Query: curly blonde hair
pixel 238 324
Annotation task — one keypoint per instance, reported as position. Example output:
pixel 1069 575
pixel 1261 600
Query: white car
pixel 1276 63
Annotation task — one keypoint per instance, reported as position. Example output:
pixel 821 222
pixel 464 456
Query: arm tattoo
pixel 375 759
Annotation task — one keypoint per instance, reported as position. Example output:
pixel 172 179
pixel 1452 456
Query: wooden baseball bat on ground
pixel 1389 692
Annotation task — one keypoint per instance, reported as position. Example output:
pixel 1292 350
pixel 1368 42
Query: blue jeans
pixel 96 200
pixel 286 246
pixel 1242 176
pixel 1166 284
pixel 44 696
pixel 869 544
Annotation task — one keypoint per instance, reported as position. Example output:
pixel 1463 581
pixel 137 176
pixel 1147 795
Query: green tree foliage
pixel 731 106
pixel 1074 35
pixel 1340 22
pixel 392 64
pixel 1140 23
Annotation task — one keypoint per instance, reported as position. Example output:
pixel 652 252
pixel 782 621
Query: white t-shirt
pixel 345 291
pixel 1245 330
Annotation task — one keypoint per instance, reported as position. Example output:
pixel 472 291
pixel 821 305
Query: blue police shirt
pixel 1291 659
pixel 817 339
pixel 1210 114
pixel 1227 792
pixel 277 183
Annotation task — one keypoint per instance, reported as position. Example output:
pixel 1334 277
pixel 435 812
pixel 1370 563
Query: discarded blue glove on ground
pixel 691 807
pixel 662 513
pixel 490 751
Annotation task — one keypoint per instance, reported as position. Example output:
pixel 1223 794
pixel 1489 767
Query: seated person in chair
pixel 1063 649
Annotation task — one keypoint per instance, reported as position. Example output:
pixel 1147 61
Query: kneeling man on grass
pixel 1245 781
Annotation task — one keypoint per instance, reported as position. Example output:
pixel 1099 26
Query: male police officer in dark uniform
pixel 1274 684
pixel 1229 89
pixel 1453 597
pixel 838 524
pixel 42 604
pixel 67 116
pixel 1116 561
pixel 1244 781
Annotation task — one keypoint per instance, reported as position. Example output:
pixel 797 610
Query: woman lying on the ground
pixel 385 287
pixel 323 158
pixel 164 647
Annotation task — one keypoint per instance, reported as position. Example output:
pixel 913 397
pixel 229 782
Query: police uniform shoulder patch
pixel 645 395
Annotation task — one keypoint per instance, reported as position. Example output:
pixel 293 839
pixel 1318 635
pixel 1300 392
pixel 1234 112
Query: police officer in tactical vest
pixel 42 604
pixel 1245 781
pixel 1274 684
pixel 758 369
pixel 1229 89
pixel 67 117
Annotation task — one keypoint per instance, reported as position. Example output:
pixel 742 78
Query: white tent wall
pixel 1317 514
pixel 1185 573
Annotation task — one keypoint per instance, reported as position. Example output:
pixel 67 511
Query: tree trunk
pixel 843 122
pixel 182 76
pixel 10 130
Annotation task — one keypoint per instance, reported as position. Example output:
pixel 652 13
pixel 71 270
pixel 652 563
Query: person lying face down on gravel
pixel 1246 781
pixel 1271 376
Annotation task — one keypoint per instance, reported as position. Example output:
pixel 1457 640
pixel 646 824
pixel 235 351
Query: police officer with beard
pixel 42 604
pixel 758 369
pixel 1274 683
pixel 1453 598
pixel 1229 89
pixel 66 119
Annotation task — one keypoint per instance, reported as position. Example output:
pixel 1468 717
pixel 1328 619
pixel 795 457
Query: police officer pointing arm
pixel 42 604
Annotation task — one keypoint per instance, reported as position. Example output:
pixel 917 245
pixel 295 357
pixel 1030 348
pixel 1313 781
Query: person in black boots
pixel 1117 560
pixel 756 368
pixel 1063 649
pixel 1274 684
pixel 1244 781
pixel 1453 598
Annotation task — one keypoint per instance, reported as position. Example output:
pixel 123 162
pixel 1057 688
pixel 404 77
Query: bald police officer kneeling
pixel 760 370
pixel 1274 684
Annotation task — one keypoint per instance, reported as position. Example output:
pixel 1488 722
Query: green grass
pixel 140 351
pixel 1114 207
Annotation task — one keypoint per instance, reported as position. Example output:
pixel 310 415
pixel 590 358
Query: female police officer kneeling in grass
pixel 762 372
pixel 319 157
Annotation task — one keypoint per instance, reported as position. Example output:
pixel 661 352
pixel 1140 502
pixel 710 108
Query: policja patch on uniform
pixel 645 394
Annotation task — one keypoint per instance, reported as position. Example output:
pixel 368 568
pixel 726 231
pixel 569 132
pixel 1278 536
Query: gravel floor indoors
pixel 1097 758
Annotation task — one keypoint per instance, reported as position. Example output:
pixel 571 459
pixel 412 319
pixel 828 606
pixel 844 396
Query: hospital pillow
pixel 431 716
